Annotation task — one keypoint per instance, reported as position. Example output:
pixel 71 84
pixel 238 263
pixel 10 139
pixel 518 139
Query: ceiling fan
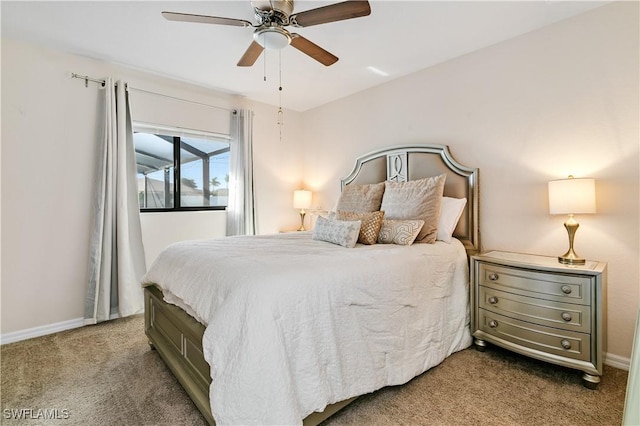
pixel 273 16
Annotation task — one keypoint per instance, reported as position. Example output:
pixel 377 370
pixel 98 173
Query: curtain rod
pixel 87 79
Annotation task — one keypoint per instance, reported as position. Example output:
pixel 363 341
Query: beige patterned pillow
pixel 371 223
pixel 401 232
pixel 343 233
pixel 361 198
pixel 416 199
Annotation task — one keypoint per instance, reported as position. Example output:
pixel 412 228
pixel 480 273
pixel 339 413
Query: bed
pixel 306 326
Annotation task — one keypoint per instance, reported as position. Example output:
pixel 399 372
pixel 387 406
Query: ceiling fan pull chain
pixel 280 112
pixel 264 62
pixel 280 121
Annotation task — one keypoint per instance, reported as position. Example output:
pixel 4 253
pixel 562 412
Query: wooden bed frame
pixel 178 337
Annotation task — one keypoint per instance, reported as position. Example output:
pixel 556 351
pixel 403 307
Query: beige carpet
pixel 107 375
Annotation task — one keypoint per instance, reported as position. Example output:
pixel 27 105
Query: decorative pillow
pixel 361 198
pixel 415 199
pixel 450 212
pixel 371 223
pixel 343 233
pixel 401 232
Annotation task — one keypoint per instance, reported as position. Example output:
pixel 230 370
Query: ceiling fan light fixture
pixel 272 38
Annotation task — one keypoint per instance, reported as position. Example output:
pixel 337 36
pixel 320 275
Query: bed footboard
pixel 178 339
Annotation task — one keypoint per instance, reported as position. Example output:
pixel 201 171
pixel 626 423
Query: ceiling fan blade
pixel 204 19
pixel 331 13
pixel 309 48
pixel 250 55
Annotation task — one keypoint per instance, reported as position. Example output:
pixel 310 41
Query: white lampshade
pixel 301 199
pixel 572 196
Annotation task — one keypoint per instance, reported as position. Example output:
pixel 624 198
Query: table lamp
pixel 302 201
pixel 572 196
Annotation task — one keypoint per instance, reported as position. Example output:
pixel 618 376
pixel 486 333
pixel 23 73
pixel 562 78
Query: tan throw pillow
pixel 401 232
pixel 416 199
pixel 361 198
pixel 371 223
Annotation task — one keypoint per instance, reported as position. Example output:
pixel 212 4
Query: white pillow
pixel 450 212
pixel 342 232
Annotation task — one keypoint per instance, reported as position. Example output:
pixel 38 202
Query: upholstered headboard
pixel 403 163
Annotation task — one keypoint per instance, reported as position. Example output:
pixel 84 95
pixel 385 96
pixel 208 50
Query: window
pixel 198 162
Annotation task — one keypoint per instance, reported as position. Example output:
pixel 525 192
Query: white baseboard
pixel 617 361
pixel 43 330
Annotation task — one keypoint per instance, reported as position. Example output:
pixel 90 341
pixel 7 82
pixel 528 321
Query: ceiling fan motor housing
pixel 268 11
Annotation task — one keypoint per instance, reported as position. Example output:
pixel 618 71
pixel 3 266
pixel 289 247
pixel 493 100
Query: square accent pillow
pixel 450 212
pixel 340 232
pixel 416 199
pixel 361 198
pixel 371 223
pixel 401 232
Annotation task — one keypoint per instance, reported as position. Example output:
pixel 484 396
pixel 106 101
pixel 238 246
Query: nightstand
pixel 538 307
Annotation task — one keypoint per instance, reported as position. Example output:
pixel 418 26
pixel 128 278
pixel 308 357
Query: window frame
pixel 177 134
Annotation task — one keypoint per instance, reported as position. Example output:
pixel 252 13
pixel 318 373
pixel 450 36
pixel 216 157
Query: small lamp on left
pixel 302 201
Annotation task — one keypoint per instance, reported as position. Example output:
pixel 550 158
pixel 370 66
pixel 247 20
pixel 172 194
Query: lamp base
pixel 302 214
pixel 570 257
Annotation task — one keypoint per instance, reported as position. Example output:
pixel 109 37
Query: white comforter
pixel 295 324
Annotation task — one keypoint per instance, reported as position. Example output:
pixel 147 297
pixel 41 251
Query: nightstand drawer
pixel 544 285
pixel 544 339
pixel 549 313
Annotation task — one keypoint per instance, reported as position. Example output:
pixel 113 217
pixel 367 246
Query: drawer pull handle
pixel 566 316
pixel 566 289
pixel 565 344
pixel 493 300
pixel 493 323
pixel 493 277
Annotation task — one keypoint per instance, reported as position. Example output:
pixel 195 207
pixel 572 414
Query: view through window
pixel 201 165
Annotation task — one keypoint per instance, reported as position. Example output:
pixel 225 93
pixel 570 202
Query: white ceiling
pixel 399 38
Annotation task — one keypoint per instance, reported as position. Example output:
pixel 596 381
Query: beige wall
pixel 48 143
pixel 556 101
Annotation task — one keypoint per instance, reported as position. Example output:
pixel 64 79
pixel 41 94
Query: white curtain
pixel 241 208
pixel 116 262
